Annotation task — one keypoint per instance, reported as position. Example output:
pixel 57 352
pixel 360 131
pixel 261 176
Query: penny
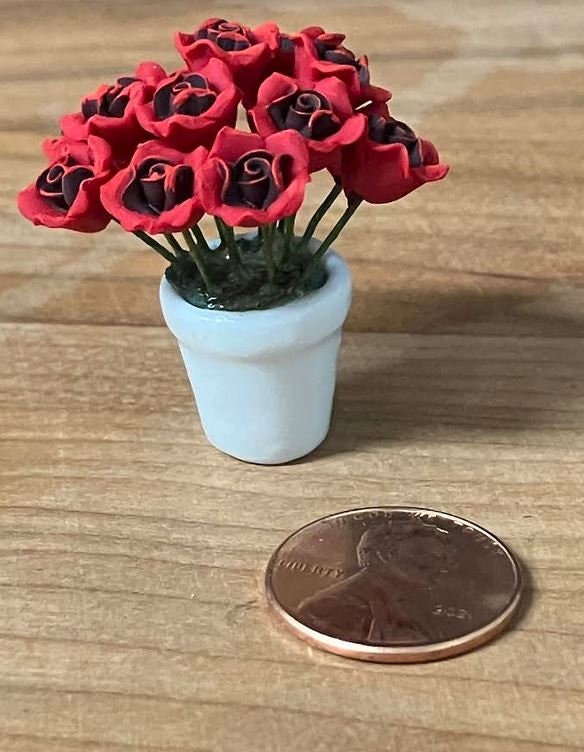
pixel 394 584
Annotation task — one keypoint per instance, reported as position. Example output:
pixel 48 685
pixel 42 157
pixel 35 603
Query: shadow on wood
pixel 418 388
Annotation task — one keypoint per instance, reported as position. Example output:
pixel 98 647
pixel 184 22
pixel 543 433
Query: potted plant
pixel 257 314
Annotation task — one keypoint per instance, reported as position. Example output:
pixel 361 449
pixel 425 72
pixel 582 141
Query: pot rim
pixel 295 325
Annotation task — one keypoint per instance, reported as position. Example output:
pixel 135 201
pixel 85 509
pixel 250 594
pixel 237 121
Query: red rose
pixel 188 109
pixel 109 111
pixel 246 51
pixel 66 194
pixel 389 161
pixel 156 193
pixel 320 55
pixel 249 180
pixel 320 111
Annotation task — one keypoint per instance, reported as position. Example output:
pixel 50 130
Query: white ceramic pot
pixel 264 380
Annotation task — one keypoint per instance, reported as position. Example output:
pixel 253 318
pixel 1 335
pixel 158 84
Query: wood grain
pixel 132 552
pixel 132 617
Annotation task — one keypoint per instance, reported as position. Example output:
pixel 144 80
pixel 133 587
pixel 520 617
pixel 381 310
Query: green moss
pixel 245 286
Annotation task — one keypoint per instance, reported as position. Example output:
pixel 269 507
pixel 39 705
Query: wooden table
pixel 131 555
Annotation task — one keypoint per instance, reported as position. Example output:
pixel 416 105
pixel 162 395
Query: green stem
pixel 196 255
pixel 319 213
pixel 221 232
pixel 333 235
pixel 200 238
pixel 155 245
pixel 228 235
pixel 173 242
pixel 289 223
pixel 268 232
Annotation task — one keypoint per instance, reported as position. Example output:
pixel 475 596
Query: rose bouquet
pixel 156 151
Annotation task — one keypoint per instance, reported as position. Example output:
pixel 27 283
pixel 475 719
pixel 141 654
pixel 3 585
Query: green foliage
pixel 240 278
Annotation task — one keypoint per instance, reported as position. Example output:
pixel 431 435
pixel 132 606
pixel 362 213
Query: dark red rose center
pixel 256 179
pixel 307 112
pixel 187 94
pixel 112 103
pixel 230 36
pixel 60 183
pixel 286 44
pixel 392 131
pixel 330 48
pixel 158 186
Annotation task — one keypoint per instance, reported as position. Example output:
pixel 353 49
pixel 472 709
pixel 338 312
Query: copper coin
pixel 394 584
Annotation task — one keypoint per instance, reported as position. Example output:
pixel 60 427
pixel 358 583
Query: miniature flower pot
pixel 264 380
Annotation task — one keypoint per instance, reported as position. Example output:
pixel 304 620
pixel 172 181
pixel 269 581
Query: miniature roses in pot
pixel 188 108
pixel 156 192
pixel 67 193
pixel 249 180
pixel 257 314
pixel 321 112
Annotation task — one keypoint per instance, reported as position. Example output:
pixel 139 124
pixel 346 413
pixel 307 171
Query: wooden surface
pixel 131 553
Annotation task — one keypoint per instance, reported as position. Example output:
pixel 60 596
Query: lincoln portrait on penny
pixel 388 598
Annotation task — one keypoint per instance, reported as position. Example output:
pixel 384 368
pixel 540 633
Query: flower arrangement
pixel 156 151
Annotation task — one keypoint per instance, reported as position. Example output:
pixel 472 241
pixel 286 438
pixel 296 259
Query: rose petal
pixel 193 102
pixel 116 105
pixel 323 124
pixel 161 101
pixel 49 181
pixel 282 170
pixel 232 144
pixel 154 193
pixel 72 180
pixel 179 185
pixel 255 181
pixel 232 42
pixel 89 108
